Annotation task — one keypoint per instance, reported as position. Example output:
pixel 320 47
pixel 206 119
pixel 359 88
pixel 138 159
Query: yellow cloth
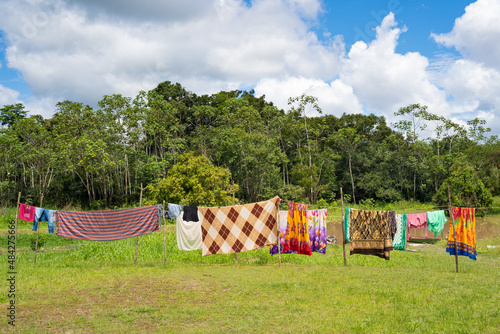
pixel 465 230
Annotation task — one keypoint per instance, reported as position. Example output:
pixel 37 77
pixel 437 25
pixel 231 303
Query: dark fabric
pixel 108 224
pixel 190 214
pixel 370 233
pixel 394 224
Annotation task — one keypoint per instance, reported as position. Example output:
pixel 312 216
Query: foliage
pixel 41 241
pixel 193 180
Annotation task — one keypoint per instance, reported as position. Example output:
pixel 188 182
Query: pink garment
pixel 27 212
pixel 416 220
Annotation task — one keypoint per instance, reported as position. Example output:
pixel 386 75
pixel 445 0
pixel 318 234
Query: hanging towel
pixel 317 229
pixel 190 213
pixel 435 222
pixel 370 233
pixel 26 212
pixel 174 210
pixel 297 231
pixel 399 242
pixel 188 234
pixel 346 226
pixel 238 228
pixel 465 230
pixel 44 215
pixel 282 214
pixel 108 224
pixel 416 220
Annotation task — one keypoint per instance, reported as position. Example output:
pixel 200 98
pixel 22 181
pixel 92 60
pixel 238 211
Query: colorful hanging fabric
pixel 44 215
pixel 282 216
pixel 394 225
pixel 108 224
pixel 297 232
pixel 465 230
pixel 416 220
pixel 317 229
pixel 435 222
pixel 238 228
pixel 346 226
pixel 26 212
pixel 399 242
pixel 370 233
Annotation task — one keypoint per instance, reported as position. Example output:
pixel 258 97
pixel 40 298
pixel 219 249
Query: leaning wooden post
pixel 137 240
pixel 37 228
pixel 453 225
pixel 164 242
pixel 343 222
pixel 235 253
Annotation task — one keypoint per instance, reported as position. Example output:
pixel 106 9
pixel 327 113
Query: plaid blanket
pixel 107 224
pixel 239 228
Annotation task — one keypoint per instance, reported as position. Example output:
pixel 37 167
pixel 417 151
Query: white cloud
pixel 8 96
pixel 476 33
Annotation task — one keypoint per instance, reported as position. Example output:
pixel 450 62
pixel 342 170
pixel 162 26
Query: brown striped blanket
pixel 107 224
pixel 239 228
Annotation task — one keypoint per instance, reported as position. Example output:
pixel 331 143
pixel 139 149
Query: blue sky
pixel 359 56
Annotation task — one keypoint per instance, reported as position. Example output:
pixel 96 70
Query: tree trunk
pixel 352 180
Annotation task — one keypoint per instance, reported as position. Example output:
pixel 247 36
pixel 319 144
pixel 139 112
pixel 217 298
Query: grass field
pixel 86 287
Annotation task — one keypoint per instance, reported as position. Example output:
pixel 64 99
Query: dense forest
pixel 191 149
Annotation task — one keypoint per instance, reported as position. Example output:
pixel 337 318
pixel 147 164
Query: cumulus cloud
pixel 8 96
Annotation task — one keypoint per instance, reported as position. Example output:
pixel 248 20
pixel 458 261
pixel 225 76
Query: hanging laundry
pixel 44 215
pixel 465 230
pixel 394 225
pixel 26 212
pixel 282 216
pixel 108 224
pixel 238 228
pixel 370 233
pixel 346 226
pixel 188 233
pixel 416 220
pixel 173 211
pixel 190 214
pixel 297 232
pixel 435 222
pixel 399 242
pixel 317 229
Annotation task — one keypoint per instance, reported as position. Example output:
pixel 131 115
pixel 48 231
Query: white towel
pixel 188 233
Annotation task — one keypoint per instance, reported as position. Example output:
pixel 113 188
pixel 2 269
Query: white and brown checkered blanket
pixel 239 228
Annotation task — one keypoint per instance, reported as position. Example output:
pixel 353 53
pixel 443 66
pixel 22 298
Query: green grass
pixel 89 286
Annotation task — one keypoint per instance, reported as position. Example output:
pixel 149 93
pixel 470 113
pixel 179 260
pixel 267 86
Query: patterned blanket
pixel 399 242
pixel 239 228
pixel 465 229
pixel 108 224
pixel 370 233
pixel 297 231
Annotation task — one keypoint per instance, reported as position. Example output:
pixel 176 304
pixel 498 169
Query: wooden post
pixel 235 253
pixel 37 228
pixel 164 242
pixel 343 222
pixel 453 225
pixel 137 240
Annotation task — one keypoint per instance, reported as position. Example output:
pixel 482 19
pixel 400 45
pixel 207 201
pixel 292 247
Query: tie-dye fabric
pixel 399 242
pixel 297 232
pixel 370 233
pixel 346 226
pixel 317 229
pixel 465 229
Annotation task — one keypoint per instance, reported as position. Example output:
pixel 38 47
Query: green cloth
pixel 435 222
pixel 346 226
pixel 399 241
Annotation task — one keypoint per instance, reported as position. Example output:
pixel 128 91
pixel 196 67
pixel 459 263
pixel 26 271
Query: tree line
pixel 99 157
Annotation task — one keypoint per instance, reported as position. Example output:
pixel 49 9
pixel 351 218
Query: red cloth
pixel 27 212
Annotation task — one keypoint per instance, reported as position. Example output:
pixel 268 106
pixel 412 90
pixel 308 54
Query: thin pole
pixel 37 228
pixel 343 222
pixel 279 233
pixel 137 240
pixel 453 225
pixel 235 253
pixel 164 242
